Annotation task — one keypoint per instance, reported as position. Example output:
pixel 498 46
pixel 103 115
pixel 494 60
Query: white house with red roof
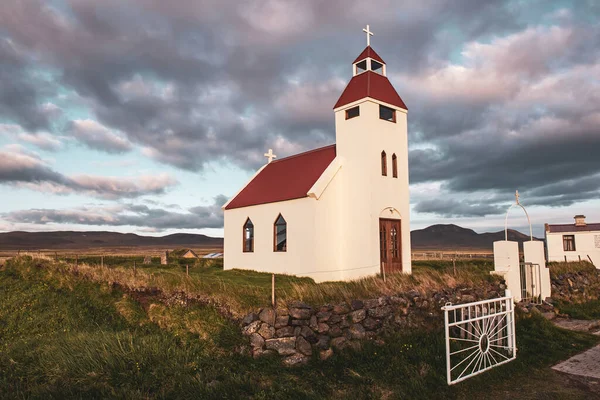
pixel 339 212
pixel 574 242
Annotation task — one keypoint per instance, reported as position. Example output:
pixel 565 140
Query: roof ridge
pixel 303 153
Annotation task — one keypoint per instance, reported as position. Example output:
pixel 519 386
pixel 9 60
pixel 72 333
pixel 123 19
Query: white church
pixel 339 212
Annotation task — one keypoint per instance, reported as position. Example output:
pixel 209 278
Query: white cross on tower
pixel 270 155
pixel 369 34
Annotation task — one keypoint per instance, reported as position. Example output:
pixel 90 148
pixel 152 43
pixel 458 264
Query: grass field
pixel 66 337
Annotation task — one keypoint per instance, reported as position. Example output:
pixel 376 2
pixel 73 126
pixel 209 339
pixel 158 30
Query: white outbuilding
pixel 574 242
pixel 339 212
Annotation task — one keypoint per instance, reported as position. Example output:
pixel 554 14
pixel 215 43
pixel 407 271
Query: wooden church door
pixel 390 245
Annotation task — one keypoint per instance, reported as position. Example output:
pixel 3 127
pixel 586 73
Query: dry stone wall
pixel 577 286
pixel 298 331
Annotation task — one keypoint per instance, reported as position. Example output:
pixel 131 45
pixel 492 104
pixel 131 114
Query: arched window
pixel 394 166
pixel 280 234
pixel 383 164
pixel 248 236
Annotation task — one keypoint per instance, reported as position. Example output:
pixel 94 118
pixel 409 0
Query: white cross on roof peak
pixel 270 155
pixel 369 34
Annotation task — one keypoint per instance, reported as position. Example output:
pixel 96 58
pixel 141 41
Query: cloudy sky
pixel 146 115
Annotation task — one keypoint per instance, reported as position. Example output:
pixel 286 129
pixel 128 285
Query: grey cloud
pixel 455 208
pixel 97 136
pixel 22 168
pixel 199 217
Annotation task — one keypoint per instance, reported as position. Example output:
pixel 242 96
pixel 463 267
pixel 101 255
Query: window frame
pixel 275 249
pixel 382 107
pixel 394 166
pixel 568 239
pixel 251 239
pixel 352 109
pixel 383 163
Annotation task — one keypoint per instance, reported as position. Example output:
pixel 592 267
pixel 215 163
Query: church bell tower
pixel 372 146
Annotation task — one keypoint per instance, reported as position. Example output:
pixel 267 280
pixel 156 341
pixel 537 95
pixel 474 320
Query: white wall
pixel 506 264
pixel 365 193
pixel 300 255
pixel 586 243
pixel 533 252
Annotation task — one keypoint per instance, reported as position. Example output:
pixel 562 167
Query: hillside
pixel 453 237
pixel 85 240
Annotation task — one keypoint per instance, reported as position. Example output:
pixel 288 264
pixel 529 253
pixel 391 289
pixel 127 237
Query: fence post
pixel 187 269
pixel 134 269
pixel 510 322
pixel 273 290
pixel 383 270
pixel 76 259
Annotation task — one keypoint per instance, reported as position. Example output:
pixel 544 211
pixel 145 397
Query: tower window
pixel 394 165
pixel 353 112
pixel 361 66
pixel 248 236
pixel 280 234
pixel 383 164
pixel 376 67
pixel 386 113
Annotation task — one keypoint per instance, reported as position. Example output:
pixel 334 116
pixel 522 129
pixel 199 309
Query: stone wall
pixel 299 331
pixel 575 287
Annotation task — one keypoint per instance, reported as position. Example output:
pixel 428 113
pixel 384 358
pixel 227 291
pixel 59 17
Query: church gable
pixel 285 179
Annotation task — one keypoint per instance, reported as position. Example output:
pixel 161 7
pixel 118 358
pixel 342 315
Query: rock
pixel 334 319
pixel 250 318
pixel 383 301
pixel 380 312
pixel 326 308
pixel 257 341
pixel 251 328
pixel 413 293
pixel 467 298
pixel 308 333
pixel 357 331
pixel 371 303
pixel 325 354
pixel 344 323
pixel 341 308
pixel 335 331
pixel 281 312
pixel 299 322
pixel 295 359
pixel 286 331
pixel 266 331
pixel 323 342
pixel 323 316
pixel 371 324
pixel 354 345
pixel 284 346
pixel 358 315
pixel 303 346
pixel 425 304
pixel 300 313
pixel 549 315
pixel 282 321
pixel 357 304
pixel 313 323
pixel 339 342
pixel 396 300
pixel 322 327
pixel 267 315
pixel 299 304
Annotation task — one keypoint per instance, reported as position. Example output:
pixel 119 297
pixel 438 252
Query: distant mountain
pixel 84 240
pixel 435 237
pixel 453 237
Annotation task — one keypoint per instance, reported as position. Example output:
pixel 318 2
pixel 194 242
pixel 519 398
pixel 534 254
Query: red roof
pixel 285 179
pixel 370 84
pixel 369 52
pixel 560 228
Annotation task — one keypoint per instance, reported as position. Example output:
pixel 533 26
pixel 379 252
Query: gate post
pixel 510 326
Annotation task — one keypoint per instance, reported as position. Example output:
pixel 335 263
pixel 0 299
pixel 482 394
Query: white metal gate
pixel 531 282
pixel 479 336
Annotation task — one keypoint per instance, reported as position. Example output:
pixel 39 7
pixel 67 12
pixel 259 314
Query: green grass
pixel 66 337
pixel 559 268
pixel 588 310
